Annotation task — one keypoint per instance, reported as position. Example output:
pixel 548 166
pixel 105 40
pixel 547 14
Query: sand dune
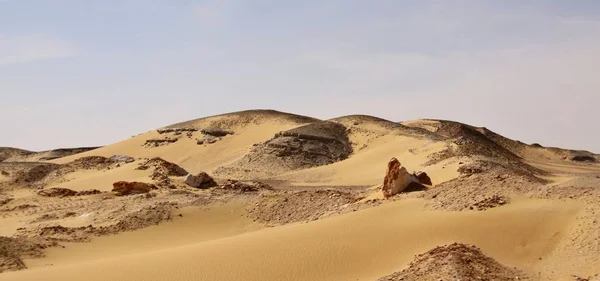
pixel 324 218
pixel 334 249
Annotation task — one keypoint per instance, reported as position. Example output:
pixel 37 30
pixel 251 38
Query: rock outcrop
pixel 159 142
pixel 318 144
pixel 398 179
pixel 122 188
pixel 162 166
pixel 245 186
pixel 201 180
pixel 455 262
pixel 176 130
pixel 121 159
pixel 65 192
pixel 216 132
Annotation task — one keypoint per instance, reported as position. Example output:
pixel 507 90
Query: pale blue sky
pixel 82 73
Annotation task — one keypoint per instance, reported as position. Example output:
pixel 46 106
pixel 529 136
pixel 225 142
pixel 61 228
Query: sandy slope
pixel 364 167
pixel 221 242
pixel 356 246
pixel 187 153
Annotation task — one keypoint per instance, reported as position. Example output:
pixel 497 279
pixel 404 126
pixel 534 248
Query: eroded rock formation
pixel 123 188
pixel 398 179
pixel 201 180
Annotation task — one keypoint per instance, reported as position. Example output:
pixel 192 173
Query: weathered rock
pixel 176 130
pixel 245 186
pixel 423 178
pixel 201 180
pixel 65 192
pixel 455 262
pixel 397 179
pixel 164 167
pixel 207 139
pixel 122 159
pixel 216 132
pixel 123 188
pixel 5 173
pixel 159 142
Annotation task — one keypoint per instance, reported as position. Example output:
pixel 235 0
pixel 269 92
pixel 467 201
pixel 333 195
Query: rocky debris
pixel 122 159
pixel 317 144
pixel 58 233
pixel 4 199
pixel 282 207
pixel 455 262
pixel 207 139
pixel 584 158
pixel 34 174
pixel 65 192
pixel 159 142
pixel 176 130
pixel 123 188
pixel 13 250
pixel 201 180
pixel 136 219
pixel 245 186
pixel 163 167
pixel 216 132
pixel 397 179
pixel 20 207
pixel 162 170
pixel 473 168
pixel 490 202
pixel 90 163
pixel 4 173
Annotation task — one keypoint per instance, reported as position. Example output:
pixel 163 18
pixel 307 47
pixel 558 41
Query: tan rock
pixel 397 179
pixel 123 188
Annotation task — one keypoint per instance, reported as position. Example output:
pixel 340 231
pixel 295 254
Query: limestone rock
pixel 201 180
pixel 122 159
pixel 123 188
pixel 397 179
pixel 216 132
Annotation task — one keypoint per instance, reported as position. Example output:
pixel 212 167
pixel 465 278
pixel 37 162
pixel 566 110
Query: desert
pixel 269 195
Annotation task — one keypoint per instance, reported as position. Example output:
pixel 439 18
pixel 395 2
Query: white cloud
pixel 23 49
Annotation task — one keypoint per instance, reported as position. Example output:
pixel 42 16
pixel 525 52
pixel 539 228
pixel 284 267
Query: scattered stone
pixel 176 130
pixel 455 262
pixel 5 173
pixel 216 132
pixel 164 167
pixel 245 186
pixel 159 142
pixel 201 180
pixel 122 159
pixel 14 249
pixel 65 192
pixel 490 202
pixel 207 139
pixel 123 188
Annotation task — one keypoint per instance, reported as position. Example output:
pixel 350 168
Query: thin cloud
pixel 25 49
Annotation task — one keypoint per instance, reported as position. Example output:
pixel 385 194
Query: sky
pixel 85 73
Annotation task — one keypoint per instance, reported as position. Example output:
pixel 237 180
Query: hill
pixel 298 198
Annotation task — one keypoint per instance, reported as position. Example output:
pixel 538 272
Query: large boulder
pixel 201 180
pixel 122 188
pixel 398 179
